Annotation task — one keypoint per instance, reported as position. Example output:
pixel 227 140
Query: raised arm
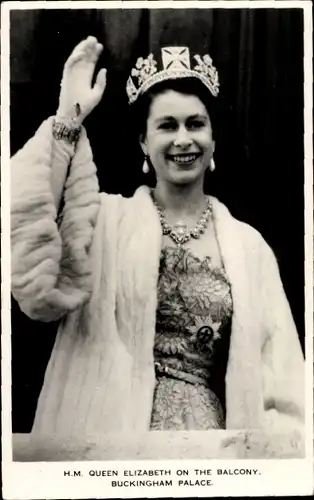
pixel 50 263
pixel 77 99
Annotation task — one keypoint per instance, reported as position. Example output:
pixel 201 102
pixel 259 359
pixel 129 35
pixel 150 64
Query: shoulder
pixel 139 195
pixel 118 207
pixel 140 200
pixel 251 239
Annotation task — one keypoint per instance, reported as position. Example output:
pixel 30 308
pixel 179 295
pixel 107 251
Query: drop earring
pixel 145 167
pixel 212 165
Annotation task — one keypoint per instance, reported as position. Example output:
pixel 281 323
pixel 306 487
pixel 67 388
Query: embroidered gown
pixel 191 346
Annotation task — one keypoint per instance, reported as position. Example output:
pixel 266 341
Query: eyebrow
pixel 170 118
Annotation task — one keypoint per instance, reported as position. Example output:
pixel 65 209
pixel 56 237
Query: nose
pixel 182 139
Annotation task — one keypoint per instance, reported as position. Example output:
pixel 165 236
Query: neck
pixel 180 199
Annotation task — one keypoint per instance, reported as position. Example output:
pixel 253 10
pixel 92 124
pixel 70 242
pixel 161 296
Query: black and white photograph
pixel 158 246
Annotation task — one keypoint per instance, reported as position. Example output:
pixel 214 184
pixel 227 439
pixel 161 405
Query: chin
pixel 188 177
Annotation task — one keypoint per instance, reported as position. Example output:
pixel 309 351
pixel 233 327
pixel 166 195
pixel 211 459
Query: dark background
pixel 259 133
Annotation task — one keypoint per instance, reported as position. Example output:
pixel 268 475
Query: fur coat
pixel 96 269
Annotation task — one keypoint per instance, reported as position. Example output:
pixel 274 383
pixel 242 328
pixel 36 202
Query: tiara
pixel 175 63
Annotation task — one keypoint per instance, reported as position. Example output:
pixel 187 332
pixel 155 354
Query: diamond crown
pixel 176 63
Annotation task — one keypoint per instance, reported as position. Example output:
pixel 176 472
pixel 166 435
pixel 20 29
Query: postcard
pixel 157 249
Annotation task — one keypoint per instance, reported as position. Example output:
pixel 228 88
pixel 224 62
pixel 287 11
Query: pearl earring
pixel 145 167
pixel 212 165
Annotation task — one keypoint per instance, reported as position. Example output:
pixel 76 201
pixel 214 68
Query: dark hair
pixel 190 86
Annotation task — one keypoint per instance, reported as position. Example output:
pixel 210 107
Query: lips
pixel 184 158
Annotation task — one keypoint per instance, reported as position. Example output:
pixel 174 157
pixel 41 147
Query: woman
pixel 173 313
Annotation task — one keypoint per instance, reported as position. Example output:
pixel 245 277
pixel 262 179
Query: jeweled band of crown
pixel 176 63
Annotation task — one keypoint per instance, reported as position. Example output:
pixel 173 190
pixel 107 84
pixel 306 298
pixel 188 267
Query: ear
pixel 143 144
pixel 213 146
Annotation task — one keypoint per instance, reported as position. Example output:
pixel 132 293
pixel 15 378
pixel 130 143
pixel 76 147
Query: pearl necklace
pixel 179 233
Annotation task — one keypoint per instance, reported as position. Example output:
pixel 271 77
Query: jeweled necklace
pixel 180 233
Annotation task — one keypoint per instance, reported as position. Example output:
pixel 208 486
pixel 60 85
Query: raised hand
pixel 76 85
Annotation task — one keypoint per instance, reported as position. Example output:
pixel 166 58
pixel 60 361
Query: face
pixel 178 138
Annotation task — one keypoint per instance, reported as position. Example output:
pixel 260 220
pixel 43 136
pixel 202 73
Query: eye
pixel 195 124
pixel 167 126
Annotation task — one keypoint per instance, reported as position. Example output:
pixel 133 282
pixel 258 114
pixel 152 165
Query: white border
pixel 161 4
pixel 5 239
pixel 45 480
pixel 308 220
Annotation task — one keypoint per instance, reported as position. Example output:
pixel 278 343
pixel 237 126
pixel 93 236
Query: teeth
pixel 184 159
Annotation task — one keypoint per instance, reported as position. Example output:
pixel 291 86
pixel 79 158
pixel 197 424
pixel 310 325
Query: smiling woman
pixel 178 139
pixel 174 314
pixel 195 109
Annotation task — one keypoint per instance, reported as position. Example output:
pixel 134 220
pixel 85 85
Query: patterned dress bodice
pixel 192 339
